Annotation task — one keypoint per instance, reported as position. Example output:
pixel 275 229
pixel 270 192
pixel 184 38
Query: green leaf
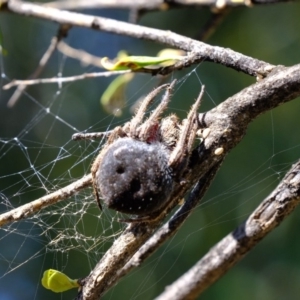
pixel 137 62
pixel 113 98
pixel 58 282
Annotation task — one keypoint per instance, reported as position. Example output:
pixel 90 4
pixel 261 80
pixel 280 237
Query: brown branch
pixel 228 123
pixel 90 135
pixel 146 5
pixel 84 57
pixel 201 51
pixel 31 208
pixel 229 120
pixel 124 4
pixel 231 249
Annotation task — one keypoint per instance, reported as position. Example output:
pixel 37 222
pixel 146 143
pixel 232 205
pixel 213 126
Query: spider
pixel 136 170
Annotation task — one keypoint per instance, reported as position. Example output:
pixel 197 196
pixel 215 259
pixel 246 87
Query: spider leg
pixel 94 170
pixel 163 104
pixel 151 124
pixel 151 218
pixel 137 119
pixel 187 135
pixel 97 197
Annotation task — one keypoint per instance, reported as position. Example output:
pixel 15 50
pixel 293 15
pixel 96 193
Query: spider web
pixel 37 157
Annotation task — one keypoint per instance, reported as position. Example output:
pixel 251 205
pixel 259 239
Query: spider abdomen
pixel 134 177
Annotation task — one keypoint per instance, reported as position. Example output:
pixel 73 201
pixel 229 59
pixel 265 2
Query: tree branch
pixel 146 5
pixel 31 208
pixel 200 50
pixel 268 215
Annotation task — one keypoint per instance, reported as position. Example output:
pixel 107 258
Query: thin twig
pixel 90 135
pixel 83 56
pixel 268 215
pixel 59 80
pixel 62 32
pixel 31 208
pixel 124 4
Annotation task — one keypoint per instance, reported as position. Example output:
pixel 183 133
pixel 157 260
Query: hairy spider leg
pixel 163 104
pixel 187 135
pixel 137 119
pixel 196 123
pixel 94 169
pixel 148 131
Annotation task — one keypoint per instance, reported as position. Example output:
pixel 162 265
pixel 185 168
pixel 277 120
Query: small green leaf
pixel 113 98
pixel 58 282
pixel 136 62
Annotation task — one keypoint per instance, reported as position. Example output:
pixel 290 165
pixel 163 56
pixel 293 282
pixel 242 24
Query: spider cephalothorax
pixel 136 169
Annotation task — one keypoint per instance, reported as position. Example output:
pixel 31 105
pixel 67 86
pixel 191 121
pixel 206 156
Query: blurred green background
pixel 38 155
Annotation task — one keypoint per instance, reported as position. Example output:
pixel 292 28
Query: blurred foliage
pixel 250 172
